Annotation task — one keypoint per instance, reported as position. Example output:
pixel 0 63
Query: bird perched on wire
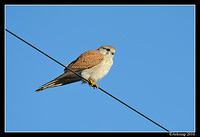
pixel 92 65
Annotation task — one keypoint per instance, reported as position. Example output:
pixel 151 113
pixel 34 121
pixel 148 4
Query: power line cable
pixel 47 55
pixel 88 81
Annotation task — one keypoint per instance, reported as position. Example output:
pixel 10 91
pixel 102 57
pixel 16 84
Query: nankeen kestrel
pixel 92 65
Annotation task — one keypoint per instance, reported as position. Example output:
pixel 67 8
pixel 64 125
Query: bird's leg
pixel 93 84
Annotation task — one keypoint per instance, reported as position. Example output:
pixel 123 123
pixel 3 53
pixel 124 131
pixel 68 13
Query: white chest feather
pixel 99 71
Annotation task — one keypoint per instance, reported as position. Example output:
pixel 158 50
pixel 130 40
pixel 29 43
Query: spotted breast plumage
pixel 93 65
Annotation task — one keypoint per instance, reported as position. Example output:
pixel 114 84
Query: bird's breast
pixel 99 71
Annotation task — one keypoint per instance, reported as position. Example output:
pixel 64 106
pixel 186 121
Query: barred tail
pixel 66 78
pixel 49 85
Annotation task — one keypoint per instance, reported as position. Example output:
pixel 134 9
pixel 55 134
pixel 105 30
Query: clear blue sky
pixel 153 68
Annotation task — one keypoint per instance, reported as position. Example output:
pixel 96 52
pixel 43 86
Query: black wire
pixel 134 110
pixel 88 81
pixel 47 55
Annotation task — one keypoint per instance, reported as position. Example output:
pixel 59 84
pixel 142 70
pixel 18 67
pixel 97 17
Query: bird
pixel 92 65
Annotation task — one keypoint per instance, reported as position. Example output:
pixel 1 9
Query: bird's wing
pixel 86 60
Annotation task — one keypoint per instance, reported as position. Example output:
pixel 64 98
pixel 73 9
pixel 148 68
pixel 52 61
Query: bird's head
pixel 107 51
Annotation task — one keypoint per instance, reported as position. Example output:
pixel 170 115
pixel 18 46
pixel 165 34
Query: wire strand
pixel 88 81
pixel 47 55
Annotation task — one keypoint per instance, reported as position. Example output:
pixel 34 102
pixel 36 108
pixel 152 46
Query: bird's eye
pixel 112 53
pixel 108 49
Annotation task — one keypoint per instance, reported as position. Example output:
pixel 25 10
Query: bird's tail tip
pixel 39 89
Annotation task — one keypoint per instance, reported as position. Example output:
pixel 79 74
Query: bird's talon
pixel 93 84
pixel 96 86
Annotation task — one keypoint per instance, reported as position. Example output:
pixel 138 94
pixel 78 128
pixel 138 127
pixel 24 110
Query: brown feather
pixel 86 60
pixel 66 78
